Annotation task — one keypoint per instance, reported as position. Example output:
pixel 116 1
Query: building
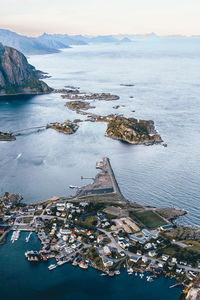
pixel 107 250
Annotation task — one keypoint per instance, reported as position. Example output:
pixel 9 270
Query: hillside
pixel 17 76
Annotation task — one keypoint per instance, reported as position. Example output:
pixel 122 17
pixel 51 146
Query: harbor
pixel 61 282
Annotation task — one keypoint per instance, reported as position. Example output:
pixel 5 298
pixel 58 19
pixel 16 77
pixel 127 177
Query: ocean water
pixel 21 281
pixel 41 164
pixel 166 89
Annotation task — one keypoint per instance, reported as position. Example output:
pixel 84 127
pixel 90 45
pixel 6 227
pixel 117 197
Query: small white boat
pixel 28 237
pixel 61 262
pixel 51 267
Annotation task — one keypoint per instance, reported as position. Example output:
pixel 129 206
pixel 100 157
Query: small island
pixel 133 131
pixel 66 127
pixel 130 130
pixel 77 95
pixel 5 136
pixel 77 105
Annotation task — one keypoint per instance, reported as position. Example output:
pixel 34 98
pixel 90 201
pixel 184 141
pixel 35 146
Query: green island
pixel 99 228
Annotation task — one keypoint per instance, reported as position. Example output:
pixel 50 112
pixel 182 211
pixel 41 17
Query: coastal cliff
pixel 17 76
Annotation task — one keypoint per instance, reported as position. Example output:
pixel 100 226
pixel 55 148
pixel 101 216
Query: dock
pixel 104 184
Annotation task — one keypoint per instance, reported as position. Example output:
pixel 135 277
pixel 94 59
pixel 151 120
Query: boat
pixel 61 262
pixel 130 271
pixel 103 274
pixel 141 275
pixel 149 278
pixel 15 236
pixel 117 272
pixel 73 187
pixel 83 265
pixel 28 237
pixel 74 263
pixel 135 273
pixel 51 267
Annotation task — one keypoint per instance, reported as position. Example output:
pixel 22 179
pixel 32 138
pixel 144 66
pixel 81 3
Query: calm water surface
pixel 21 281
pixel 167 86
pixel 42 164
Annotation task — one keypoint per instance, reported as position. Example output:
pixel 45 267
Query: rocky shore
pixel 133 131
pixel 77 95
pixel 5 136
pixel 17 76
pixel 66 127
pixel 78 105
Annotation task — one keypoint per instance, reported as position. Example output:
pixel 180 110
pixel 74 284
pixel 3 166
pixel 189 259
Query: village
pixel 99 228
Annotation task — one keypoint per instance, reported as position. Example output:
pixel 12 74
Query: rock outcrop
pixel 132 131
pixel 192 292
pixel 17 76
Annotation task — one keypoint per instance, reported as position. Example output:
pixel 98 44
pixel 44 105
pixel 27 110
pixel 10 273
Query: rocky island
pixel 77 95
pixel 17 76
pixel 5 136
pixel 133 131
pixel 78 105
pixel 66 127
pixel 129 130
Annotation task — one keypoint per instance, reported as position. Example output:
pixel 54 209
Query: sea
pixel 43 163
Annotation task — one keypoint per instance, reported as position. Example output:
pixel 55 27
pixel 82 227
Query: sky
pixel 95 17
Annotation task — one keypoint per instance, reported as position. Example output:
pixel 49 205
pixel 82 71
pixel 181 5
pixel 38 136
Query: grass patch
pixel 193 245
pixel 27 220
pixel 148 219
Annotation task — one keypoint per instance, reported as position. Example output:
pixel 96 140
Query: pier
pixel 104 186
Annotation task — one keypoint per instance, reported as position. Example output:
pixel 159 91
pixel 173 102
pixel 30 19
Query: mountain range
pixel 52 43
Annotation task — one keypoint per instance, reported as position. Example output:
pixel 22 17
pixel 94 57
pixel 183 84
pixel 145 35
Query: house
pixel 134 258
pixel 141 240
pixel 65 231
pixel 148 246
pixel 161 264
pixel 69 250
pixel 165 257
pixel 183 262
pixel 144 259
pixel 123 243
pixel 174 260
pixel 107 250
pixel 152 253
pixel 166 227
pixel 100 239
pixel 63 214
pixel 106 261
